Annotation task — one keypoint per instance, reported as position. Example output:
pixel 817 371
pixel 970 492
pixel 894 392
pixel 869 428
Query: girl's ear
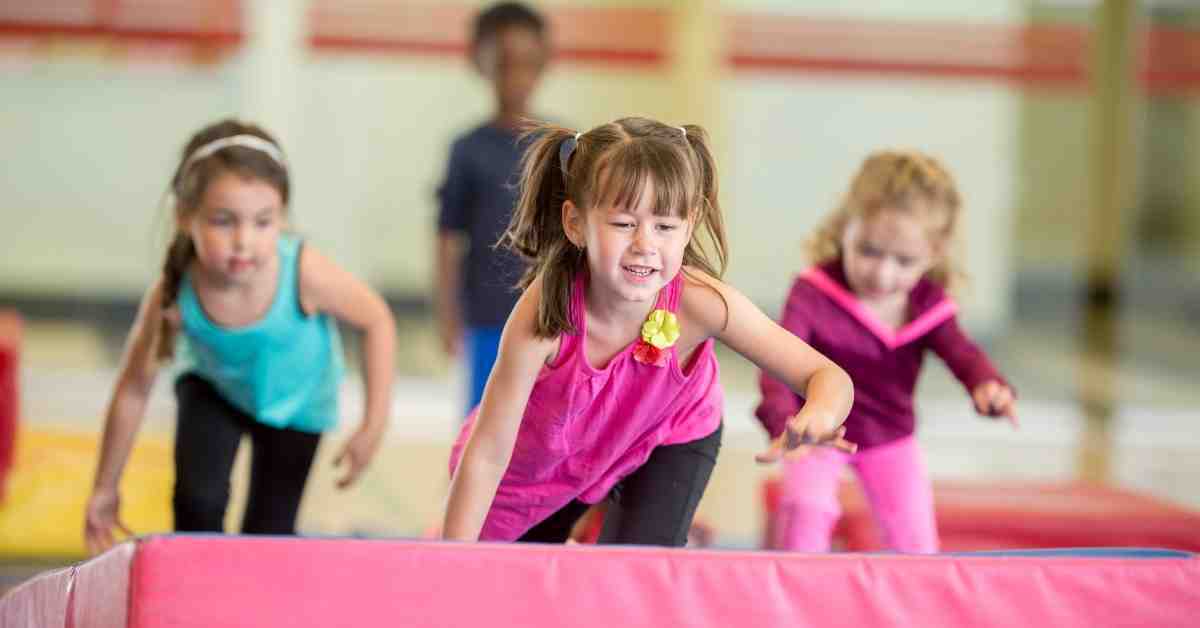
pixel 572 223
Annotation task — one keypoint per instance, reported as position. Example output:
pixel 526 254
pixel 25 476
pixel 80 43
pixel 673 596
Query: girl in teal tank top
pixel 283 369
pixel 259 353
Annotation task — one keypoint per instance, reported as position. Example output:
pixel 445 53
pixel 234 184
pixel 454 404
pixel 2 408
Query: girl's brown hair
pixel 609 166
pixel 188 185
pixel 905 180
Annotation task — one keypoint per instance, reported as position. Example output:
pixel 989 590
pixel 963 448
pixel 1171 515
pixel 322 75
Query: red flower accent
pixel 647 353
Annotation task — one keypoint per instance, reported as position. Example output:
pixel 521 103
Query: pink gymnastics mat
pixel 209 580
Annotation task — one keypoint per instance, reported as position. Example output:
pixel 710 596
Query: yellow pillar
pixel 269 63
pixel 697 66
pixel 1113 178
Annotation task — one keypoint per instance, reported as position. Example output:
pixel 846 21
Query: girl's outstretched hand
pixel 357 454
pixel 996 400
pixel 102 516
pixel 800 436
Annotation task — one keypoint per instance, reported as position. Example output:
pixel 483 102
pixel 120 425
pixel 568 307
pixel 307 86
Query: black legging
pixel 654 505
pixel 206 440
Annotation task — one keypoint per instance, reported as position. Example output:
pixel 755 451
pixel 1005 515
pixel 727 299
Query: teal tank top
pixel 283 369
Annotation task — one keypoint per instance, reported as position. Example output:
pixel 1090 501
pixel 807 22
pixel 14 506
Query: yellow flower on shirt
pixel 661 329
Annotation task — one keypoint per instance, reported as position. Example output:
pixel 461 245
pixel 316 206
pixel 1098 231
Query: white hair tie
pixel 248 141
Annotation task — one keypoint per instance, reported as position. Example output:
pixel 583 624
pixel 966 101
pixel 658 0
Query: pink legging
pixel 894 479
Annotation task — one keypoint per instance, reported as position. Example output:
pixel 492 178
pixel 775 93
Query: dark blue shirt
pixel 477 199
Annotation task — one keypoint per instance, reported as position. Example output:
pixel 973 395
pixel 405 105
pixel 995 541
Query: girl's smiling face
pixel 631 252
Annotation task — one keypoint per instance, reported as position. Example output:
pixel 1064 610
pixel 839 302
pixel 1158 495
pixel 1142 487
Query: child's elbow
pixel 382 320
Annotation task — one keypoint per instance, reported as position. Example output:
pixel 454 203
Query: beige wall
pixel 90 143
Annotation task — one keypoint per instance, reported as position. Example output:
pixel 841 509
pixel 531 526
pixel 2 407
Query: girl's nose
pixel 643 240
pixel 883 272
pixel 241 237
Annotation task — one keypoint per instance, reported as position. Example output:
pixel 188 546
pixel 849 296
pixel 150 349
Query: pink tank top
pixel 585 429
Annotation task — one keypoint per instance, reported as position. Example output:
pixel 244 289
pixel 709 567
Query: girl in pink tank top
pixel 606 384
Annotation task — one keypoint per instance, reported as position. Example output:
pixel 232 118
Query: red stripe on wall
pixel 626 36
pixel 169 21
pixel 23 30
pixel 459 49
pixel 388 46
pixel 1028 55
pixel 1171 60
pixel 1035 55
pixel 1031 76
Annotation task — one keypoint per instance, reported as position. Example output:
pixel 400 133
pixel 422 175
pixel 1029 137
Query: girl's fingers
pixel 356 467
pixel 989 396
pixel 101 540
pixel 773 452
pixel 337 461
pixel 838 441
pixel 1005 401
pixel 845 445
pixel 798 452
pixel 835 435
pixel 826 439
pixel 981 398
pixel 795 431
pixel 1009 409
pixel 1002 405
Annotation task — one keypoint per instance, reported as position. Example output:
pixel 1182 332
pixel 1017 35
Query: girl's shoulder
pixel 704 299
pixel 697 287
pixel 522 324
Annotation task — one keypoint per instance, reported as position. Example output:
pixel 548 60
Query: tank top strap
pixel 289 251
pixel 288 293
pixel 671 295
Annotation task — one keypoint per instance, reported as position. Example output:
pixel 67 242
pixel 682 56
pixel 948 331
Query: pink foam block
pixel 10 351
pixel 973 516
pixel 94 594
pixel 100 598
pixel 184 581
pixel 41 601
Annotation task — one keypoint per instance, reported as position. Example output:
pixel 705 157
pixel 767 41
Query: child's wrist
pixel 819 420
pixel 373 424
pixel 104 487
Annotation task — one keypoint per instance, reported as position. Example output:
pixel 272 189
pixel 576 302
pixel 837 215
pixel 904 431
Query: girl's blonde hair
pixel 188 184
pixel 609 166
pixel 904 180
